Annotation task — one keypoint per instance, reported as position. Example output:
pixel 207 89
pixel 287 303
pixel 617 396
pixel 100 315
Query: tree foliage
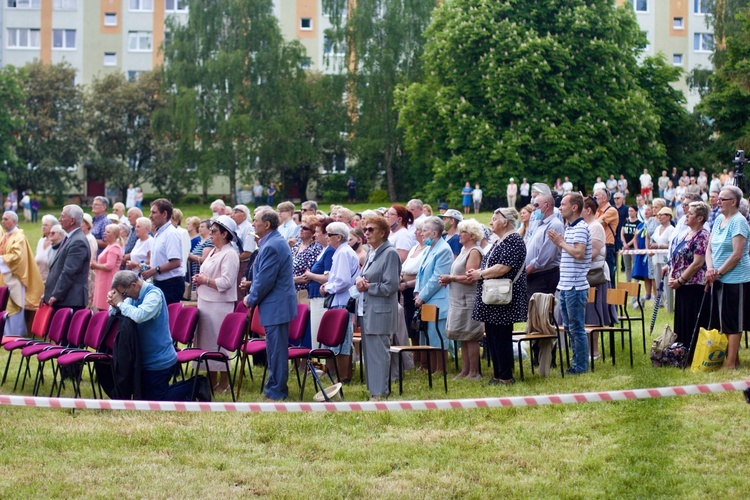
pixel 530 89
pixel 11 118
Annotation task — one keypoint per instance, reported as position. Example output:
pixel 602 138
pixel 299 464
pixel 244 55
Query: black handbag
pixel 351 305
pixel 328 302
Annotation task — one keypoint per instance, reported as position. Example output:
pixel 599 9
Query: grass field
pixel 690 446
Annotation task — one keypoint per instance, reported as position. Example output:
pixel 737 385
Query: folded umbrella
pixel 657 301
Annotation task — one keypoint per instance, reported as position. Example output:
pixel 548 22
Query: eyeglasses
pixel 213 230
pixel 304 228
pixel 331 235
pixel 724 199
pixel 369 229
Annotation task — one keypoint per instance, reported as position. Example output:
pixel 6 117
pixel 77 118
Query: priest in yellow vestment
pixel 20 274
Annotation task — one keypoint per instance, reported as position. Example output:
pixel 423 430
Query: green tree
pixel 11 118
pixel 54 137
pixel 119 115
pixel 530 89
pixel 384 41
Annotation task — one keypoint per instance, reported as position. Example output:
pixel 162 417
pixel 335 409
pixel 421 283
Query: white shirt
pixel 645 181
pixel 167 246
pixel 567 187
pixel 141 250
pixel 289 229
pixel 246 234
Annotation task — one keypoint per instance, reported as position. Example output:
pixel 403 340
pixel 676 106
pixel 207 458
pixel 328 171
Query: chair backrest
pixel 333 327
pixel 592 295
pixel 184 329
pixel 633 287
pixel 255 326
pixel 617 297
pixel 173 310
pixel 59 324
pixel 232 331
pixel 299 324
pixel 241 307
pixel 109 336
pixel 4 294
pixel 429 312
pixel 78 325
pixel 95 330
pixel 42 318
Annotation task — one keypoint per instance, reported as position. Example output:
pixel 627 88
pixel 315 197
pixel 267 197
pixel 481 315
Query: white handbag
pixel 499 291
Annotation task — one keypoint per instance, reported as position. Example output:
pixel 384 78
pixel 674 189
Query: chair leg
pixel 591 350
pixel 520 361
pixel 231 382
pixel 18 375
pixel 429 368
pixel 7 365
pixel 338 377
pixel 304 380
pixel 401 372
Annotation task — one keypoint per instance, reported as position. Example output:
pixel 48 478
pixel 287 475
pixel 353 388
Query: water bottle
pixel 144 267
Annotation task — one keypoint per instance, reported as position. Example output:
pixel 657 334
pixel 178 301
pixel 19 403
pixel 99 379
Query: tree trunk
pixel 389 174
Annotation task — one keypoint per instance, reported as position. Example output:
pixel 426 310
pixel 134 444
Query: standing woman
pixel 304 254
pixel 357 242
pixel 641 269
pixel 627 236
pixel 42 248
pixel 505 259
pixel 142 250
pixel 216 285
pixel 318 275
pixel 378 285
pixel 463 294
pixel 196 254
pixel 523 228
pixel 409 271
pixel 729 271
pixel 106 265
pixel 687 272
pixel 660 241
pixel 86 226
pixel 436 262
pixel 399 219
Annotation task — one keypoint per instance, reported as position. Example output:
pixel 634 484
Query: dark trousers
pixel 173 288
pixel 277 352
pixel 409 309
pixel 542 281
pixel 612 262
pixel 500 344
pixel 155 386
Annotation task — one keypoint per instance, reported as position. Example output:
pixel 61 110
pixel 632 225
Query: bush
pixel 378 196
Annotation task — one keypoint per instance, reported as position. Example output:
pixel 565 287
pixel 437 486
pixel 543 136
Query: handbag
pixel 596 276
pixel 499 291
pixel 328 302
pixel 351 305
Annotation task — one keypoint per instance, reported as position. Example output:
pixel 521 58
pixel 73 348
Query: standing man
pixel 287 228
pixel 351 188
pixel 67 283
pixel 119 210
pixel 622 212
pixel 646 185
pixel 476 197
pixel 567 186
pixel 609 219
pixel 217 208
pixel 20 274
pixel 245 233
pixel 512 192
pixel 662 182
pixel 575 262
pixel 166 253
pixel 416 207
pixel 257 194
pixel 542 255
pixel 309 207
pixel 133 214
pixel 99 211
pixel 272 291
pixel 640 203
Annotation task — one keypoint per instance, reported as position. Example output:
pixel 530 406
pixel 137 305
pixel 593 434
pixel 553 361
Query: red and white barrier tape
pixel 643 251
pixel 438 404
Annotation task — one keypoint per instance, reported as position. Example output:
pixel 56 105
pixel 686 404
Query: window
pixel 110 59
pixel 65 4
pixel 24 4
pixel 63 39
pixel 139 41
pixel 23 38
pixel 305 63
pixel 700 6
pixel 331 48
pixel 134 75
pixel 677 59
pixel 640 5
pixel 305 24
pixel 141 4
pixel 678 23
pixel 110 19
pixel 176 6
pixel 648 39
pixel 703 42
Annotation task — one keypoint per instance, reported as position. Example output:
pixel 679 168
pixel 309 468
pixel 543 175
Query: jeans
pixel 573 309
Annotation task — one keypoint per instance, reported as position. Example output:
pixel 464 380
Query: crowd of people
pixel 392 260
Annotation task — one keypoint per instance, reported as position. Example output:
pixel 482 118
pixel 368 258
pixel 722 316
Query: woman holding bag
pixel 505 259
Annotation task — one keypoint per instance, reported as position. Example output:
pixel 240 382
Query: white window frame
pixel 328 48
pixel 112 58
pixel 13 35
pixel 110 14
pixel 678 23
pixel 136 74
pixel 141 5
pixel 24 4
pixel 64 34
pixel 635 6
pixel 302 27
pixel 137 36
pixel 699 9
pixel 178 6
pixel 678 59
pixel 701 38
pixel 65 4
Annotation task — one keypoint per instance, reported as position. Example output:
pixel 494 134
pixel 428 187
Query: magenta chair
pixel 241 307
pixel 4 294
pixel 76 333
pixel 39 328
pixel 184 331
pixel 173 310
pixel 230 338
pixel 331 332
pixel 55 334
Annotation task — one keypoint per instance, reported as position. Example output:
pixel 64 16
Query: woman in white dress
pixel 142 250
pixel 42 248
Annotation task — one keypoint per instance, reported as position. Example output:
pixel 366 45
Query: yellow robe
pixel 19 257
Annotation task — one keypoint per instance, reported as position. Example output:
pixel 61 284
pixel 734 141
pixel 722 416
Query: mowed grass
pixel 689 446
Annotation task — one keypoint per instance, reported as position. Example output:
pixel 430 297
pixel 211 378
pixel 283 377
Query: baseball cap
pixel 453 213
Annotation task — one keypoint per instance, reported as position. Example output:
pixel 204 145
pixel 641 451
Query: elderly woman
pixel 86 226
pixel 687 272
pixel 505 259
pixel 463 293
pixel 378 285
pixel 56 236
pixel 42 248
pixel 344 269
pixel 728 271
pixel 409 270
pixel 660 241
pixel 304 254
pixel 141 253
pixel 316 276
pixel 399 219
pixel 216 285
pixel 106 265
pixel 437 261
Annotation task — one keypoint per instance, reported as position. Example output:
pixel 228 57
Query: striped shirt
pixel 573 271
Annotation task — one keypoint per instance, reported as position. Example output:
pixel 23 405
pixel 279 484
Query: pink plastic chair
pixel 57 328
pixel 39 328
pixel 76 333
pixel 173 310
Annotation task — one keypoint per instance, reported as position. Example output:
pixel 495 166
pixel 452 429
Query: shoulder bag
pixel 499 291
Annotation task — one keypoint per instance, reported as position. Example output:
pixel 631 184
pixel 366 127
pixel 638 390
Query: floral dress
pixel 304 260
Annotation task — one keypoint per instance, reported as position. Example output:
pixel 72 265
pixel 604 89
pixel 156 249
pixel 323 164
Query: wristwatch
pixel 158 269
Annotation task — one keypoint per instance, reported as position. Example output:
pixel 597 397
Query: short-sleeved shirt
pixel 167 246
pixel 629 229
pixel 402 239
pixel 721 247
pixel 610 218
pixel 304 260
pixel 683 253
pixel 511 252
pixel 573 271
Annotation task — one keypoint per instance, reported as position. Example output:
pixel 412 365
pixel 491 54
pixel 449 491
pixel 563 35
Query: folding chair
pixel 56 332
pixel 634 290
pixel 529 336
pixel 616 298
pixel 39 328
pixel 428 313
pixel 76 333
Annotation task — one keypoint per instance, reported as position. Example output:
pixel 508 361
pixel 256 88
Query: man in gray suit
pixel 67 282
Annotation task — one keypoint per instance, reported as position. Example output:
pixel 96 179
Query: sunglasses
pixel 331 235
pixel 304 228
pixel 369 229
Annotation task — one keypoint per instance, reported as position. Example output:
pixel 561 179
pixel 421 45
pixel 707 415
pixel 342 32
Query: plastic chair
pixel 230 338
pixel 183 331
pixel 241 307
pixel 56 332
pixel 76 333
pixel 173 310
pixel 39 328
pixel 634 290
pixel 428 313
pixel 4 294
pixel 331 332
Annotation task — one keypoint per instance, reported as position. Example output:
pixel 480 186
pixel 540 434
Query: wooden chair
pixel 357 341
pixel 524 336
pixel 428 313
pixel 616 298
pixel 634 291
